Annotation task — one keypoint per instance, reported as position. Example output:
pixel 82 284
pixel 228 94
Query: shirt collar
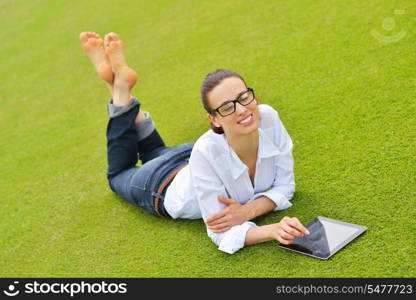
pixel 266 149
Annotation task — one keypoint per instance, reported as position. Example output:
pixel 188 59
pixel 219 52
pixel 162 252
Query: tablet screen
pixel 326 237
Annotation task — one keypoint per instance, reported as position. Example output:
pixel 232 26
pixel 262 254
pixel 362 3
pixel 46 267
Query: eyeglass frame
pixel 235 102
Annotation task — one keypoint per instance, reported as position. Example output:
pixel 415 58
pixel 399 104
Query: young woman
pixel 238 170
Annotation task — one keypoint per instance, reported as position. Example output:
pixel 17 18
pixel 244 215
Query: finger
pixel 283 241
pixel 215 217
pixel 222 227
pixel 226 201
pixel 294 222
pixel 286 235
pixel 286 221
pixel 218 221
pixel 221 230
pixel 292 231
pixel 222 221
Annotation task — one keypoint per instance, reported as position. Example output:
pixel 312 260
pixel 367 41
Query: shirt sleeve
pixel 208 187
pixel 283 186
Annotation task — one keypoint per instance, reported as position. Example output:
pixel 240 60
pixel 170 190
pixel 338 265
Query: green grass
pixel 347 100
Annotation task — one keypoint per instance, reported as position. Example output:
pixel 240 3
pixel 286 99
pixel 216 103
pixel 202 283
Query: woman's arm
pixel 236 213
pixel 208 187
pixel 284 232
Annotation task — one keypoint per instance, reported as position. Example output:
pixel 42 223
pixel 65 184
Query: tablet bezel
pixel 361 230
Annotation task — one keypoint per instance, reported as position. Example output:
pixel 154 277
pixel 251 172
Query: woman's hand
pixel 233 214
pixel 287 229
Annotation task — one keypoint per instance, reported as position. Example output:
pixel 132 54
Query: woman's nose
pixel 240 109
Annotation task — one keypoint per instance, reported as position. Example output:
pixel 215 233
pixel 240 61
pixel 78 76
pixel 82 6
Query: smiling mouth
pixel 247 120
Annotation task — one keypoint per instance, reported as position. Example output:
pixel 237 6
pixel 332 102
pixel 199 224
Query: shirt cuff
pixel 281 201
pixel 115 111
pixel 235 238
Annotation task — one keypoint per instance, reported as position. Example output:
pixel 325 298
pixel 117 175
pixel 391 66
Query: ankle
pixel 115 110
pixel 121 96
pixel 142 115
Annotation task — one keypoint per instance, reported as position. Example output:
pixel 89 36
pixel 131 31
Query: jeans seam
pixel 144 188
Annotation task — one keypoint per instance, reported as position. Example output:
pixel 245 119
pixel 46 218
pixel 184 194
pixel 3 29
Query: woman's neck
pixel 245 146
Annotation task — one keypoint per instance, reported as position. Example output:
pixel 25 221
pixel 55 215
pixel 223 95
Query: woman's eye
pixel 244 96
pixel 227 108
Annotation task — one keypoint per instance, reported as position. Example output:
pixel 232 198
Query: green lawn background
pixel 346 98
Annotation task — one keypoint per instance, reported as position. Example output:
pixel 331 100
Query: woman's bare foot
pixel 94 47
pixel 124 77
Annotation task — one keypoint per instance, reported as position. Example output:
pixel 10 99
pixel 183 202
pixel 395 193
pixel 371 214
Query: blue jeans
pixel 138 185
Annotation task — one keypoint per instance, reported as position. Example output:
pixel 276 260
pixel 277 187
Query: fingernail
pixel 307 232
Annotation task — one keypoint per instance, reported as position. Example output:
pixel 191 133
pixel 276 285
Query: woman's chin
pixel 248 129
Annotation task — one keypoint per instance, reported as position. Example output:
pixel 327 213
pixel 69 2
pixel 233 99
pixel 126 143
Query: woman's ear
pixel 213 120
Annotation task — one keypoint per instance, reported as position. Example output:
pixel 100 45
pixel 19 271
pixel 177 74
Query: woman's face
pixel 244 120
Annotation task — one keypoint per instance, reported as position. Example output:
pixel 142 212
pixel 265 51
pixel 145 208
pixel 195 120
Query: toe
pixel 115 46
pixel 96 35
pixel 99 42
pixel 83 36
pixel 86 36
pixel 107 40
pixel 93 43
pixel 113 36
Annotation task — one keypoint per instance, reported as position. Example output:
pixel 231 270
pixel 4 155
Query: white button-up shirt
pixel 215 170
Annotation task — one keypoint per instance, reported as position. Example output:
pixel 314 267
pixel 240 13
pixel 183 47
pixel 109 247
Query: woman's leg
pixel 122 144
pixel 98 51
pixel 130 131
pixel 150 144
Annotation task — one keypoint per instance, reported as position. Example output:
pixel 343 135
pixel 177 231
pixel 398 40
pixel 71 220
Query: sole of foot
pixel 93 46
pixel 123 75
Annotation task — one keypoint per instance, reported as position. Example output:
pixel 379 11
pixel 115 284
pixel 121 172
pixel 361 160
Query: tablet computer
pixel 327 237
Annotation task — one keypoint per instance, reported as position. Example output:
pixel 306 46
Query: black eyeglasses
pixel 228 108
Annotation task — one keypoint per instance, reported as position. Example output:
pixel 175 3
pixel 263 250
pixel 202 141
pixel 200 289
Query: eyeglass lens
pixel 229 107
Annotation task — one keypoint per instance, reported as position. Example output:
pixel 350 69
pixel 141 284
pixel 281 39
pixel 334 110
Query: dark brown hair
pixel 213 79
